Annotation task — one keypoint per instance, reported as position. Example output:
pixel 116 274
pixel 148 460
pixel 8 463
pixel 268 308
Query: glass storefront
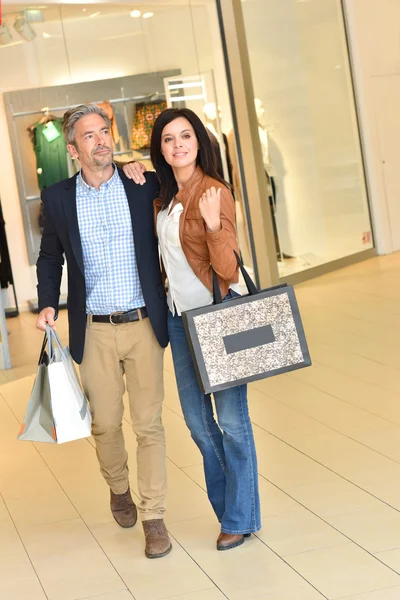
pixel 141 57
pixel 137 57
pixel 308 131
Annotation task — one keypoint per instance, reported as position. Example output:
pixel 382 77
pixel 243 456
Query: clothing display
pixel 108 109
pixel 217 150
pixel 6 276
pixel 143 121
pixel 50 150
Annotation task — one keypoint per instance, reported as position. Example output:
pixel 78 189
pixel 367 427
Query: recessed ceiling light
pixel 84 9
pixel 46 35
pixel 96 14
pixel 148 15
pixel 135 14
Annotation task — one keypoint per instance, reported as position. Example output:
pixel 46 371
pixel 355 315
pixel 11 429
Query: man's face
pixel 93 143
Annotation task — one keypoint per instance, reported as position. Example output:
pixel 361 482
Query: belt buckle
pixel 115 313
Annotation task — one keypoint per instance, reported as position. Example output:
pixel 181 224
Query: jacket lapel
pixel 69 206
pixel 136 196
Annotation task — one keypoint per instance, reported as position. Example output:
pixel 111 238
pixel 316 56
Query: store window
pixel 135 59
pixel 308 131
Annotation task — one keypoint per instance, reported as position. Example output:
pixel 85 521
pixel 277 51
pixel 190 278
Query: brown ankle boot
pixel 123 508
pixel 227 541
pixel 158 543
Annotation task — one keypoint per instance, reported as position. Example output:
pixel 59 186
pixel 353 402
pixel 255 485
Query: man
pixel 103 223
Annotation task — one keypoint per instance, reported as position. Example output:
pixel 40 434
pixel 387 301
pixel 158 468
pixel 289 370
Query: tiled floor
pixel 328 443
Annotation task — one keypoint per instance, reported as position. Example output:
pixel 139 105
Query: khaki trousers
pixel 110 352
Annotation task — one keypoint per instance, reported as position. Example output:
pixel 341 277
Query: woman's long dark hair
pixel 206 158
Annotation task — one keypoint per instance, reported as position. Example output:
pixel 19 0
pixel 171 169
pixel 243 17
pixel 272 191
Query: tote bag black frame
pixel 253 295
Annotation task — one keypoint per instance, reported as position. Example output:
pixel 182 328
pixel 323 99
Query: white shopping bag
pixel 69 408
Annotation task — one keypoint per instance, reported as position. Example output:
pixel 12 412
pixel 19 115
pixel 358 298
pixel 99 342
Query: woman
pixel 195 217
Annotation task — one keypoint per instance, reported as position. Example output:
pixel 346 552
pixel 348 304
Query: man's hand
pixel 134 171
pixel 46 317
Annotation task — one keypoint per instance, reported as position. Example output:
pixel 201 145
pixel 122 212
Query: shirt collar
pixel 105 186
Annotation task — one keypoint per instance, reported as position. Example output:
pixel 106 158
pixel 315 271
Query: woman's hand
pixel 210 208
pixel 134 170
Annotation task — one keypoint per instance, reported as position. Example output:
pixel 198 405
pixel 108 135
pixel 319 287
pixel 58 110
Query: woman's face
pixel 179 143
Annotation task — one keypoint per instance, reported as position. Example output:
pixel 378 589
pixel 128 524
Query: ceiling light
pixel 135 14
pixel 5 35
pixel 24 28
pixel 96 14
pixel 148 15
pixel 46 35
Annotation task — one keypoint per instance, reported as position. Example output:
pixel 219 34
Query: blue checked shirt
pixel 105 225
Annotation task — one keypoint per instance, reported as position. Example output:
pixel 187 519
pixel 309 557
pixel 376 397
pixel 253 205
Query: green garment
pixel 51 156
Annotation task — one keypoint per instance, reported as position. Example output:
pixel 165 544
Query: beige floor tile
pixel 391 558
pixel 329 498
pixel 385 441
pixel 301 593
pixel 323 409
pixel 339 453
pixel 343 571
pixel 209 594
pixel 18 580
pixel 278 418
pixel 376 531
pixel 241 574
pixel 125 595
pixel 148 579
pixel 69 561
pixel 355 392
pixel 16 373
pixel 46 507
pixel 284 466
pixel 298 531
pixel 392 593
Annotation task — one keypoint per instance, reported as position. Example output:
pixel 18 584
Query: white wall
pixel 109 45
pixel 374 28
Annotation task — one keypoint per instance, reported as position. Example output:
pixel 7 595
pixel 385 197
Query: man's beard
pixel 102 160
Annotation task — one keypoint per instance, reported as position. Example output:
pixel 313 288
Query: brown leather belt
pixel 119 318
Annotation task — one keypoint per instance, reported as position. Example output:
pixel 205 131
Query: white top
pixel 185 290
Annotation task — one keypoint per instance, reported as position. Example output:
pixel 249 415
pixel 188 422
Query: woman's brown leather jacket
pixel 203 248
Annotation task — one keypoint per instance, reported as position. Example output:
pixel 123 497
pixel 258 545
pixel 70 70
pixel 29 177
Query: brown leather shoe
pixel 158 543
pixel 123 508
pixel 226 541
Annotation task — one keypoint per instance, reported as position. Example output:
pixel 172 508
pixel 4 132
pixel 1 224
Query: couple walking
pixel 110 225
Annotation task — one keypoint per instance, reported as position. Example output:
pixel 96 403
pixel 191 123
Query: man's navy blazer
pixel 61 238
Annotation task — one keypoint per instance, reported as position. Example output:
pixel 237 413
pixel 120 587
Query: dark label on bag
pixel 260 336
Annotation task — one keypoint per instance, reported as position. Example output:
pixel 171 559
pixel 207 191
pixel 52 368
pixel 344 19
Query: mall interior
pixel 302 98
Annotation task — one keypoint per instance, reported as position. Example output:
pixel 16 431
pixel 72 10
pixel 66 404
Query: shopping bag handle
pixel 53 335
pixel 41 360
pixel 251 287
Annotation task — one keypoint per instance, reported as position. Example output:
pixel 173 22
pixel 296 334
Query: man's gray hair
pixel 72 116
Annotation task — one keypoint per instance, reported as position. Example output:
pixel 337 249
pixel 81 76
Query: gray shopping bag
pixel 38 425
pixel 58 411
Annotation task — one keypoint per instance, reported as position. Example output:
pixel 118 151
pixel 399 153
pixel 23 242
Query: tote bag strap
pixel 251 287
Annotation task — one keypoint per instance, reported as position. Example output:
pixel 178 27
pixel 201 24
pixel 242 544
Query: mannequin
pixel 263 135
pixel 211 118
